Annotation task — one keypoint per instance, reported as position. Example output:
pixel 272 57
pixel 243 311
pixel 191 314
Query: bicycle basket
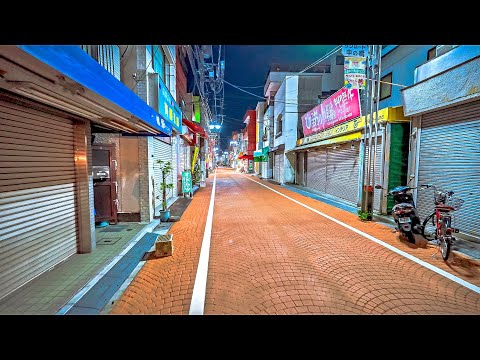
pixel 456 203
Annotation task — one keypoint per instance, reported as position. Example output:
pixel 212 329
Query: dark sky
pixel 247 65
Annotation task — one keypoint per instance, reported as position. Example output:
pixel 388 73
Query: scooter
pixel 404 212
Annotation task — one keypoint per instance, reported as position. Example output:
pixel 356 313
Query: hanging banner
pixel 355 50
pixel 194 160
pixel 355 70
pixel 186 182
pixel 342 106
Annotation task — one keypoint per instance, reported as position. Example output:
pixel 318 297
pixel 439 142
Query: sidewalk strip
pixel 110 265
pixel 199 288
pixel 388 246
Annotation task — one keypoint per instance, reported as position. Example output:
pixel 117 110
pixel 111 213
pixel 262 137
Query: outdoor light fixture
pixel 352 146
pixel 217 126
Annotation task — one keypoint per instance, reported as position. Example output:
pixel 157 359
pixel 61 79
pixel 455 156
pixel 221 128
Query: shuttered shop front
pixel 342 172
pixel 317 169
pixel 161 151
pixel 278 168
pixel 450 159
pixel 38 217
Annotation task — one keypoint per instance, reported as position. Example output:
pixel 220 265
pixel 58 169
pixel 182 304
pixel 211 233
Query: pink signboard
pixel 342 106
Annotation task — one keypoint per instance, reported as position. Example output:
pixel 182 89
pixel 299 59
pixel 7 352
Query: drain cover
pixel 114 228
pixel 108 241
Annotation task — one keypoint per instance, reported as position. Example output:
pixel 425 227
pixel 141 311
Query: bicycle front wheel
pixel 444 241
pixel 429 227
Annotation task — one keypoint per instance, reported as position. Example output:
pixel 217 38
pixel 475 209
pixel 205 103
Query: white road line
pixel 388 246
pixel 198 297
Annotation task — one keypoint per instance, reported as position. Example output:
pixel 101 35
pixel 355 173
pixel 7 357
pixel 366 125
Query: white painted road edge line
pixel 105 269
pixel 388 246
pixel 199 288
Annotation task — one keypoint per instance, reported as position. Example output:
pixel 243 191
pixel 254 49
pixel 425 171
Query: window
pixel 431 53
pixel 279 125
pixel 158 61
pixel 386 89
pixel 340 60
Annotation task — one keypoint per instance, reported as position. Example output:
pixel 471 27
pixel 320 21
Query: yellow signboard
pixel 390 114
pixel 195 154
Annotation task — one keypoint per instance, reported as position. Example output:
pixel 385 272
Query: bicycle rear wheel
pixel 429 227
pixel 444 242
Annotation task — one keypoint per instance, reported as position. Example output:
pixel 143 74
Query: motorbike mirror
pixel 378 186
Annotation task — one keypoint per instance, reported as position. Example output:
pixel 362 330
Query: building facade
pixel 56 181
pixel 444 102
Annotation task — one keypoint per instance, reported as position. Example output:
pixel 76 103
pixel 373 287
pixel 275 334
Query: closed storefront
pixel 335 158
pixel 449 158
pixel 342 171
pixel 317 169
pixel 279 163
pixel 300 163
pixel 334 171
pixel 38 193
pixel 162 151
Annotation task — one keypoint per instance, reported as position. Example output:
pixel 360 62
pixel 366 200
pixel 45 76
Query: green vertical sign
pixel 186 182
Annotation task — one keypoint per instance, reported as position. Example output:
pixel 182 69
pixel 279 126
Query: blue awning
pixel 72 61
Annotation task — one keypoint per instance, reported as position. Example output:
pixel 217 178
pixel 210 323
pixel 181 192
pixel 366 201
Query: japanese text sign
pixel 355 72
pixel 342 106
pixel 355 50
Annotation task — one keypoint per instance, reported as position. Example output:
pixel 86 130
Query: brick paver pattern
pixel 271 256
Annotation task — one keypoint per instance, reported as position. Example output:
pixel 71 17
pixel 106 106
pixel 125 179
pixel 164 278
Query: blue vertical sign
pixel 168 107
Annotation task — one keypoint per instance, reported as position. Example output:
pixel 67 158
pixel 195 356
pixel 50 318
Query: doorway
pixel 105 183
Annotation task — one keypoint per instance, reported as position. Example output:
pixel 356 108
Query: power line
pixel 245 91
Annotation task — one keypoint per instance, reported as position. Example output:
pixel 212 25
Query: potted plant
pixel 165 169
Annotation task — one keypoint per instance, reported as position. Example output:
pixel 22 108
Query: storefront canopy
pixel 77 65
pixel 194 127
pixel 261 155
pixel 245 157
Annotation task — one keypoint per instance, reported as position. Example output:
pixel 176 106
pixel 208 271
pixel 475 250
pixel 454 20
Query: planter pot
pixel 164 215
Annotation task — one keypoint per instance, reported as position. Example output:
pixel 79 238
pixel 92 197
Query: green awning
pixel 261 155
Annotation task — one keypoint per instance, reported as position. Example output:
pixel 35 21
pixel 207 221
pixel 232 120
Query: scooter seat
pixel 403 205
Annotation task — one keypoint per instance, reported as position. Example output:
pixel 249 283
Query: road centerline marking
pixel 199 288
pixel 380 242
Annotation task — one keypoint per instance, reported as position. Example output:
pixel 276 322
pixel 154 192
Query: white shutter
pixel 161 151
pixel 316 169
pixel 38 219
pixel 450 159
pixel 279 167
pixel 342 172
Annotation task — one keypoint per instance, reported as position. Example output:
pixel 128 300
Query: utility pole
pixel 370 102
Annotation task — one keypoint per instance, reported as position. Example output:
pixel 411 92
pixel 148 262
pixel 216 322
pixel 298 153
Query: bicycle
pixel 438 225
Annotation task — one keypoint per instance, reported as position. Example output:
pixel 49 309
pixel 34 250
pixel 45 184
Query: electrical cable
pixel 124 52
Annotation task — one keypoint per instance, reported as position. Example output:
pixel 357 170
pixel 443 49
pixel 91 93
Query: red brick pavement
pixel 272 256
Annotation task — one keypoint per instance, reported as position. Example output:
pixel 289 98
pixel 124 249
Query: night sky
pixel 247 65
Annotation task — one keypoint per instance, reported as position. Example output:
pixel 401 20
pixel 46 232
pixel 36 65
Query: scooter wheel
pixel 410 237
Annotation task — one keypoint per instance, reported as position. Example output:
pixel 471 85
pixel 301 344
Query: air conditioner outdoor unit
pixel 442 49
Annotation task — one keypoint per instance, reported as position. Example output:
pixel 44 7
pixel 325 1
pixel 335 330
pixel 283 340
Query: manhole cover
pixel 108 241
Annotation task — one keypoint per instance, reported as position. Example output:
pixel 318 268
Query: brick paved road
pixel 271 256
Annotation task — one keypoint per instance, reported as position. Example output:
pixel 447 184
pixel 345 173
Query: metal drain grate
pixel 115 228
pixel 108 241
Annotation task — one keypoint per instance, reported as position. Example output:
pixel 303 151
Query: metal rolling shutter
pixel 342 172
pixel 300 178
pixel 174 165
pixel 161 151
pixel 378 176
pixel 276 168
pixel 38 221
pixel 279 164
pixel 317 169
pixel 450 159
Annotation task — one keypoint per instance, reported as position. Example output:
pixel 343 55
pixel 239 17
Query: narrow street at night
pixel 225 179
pixel 271 255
